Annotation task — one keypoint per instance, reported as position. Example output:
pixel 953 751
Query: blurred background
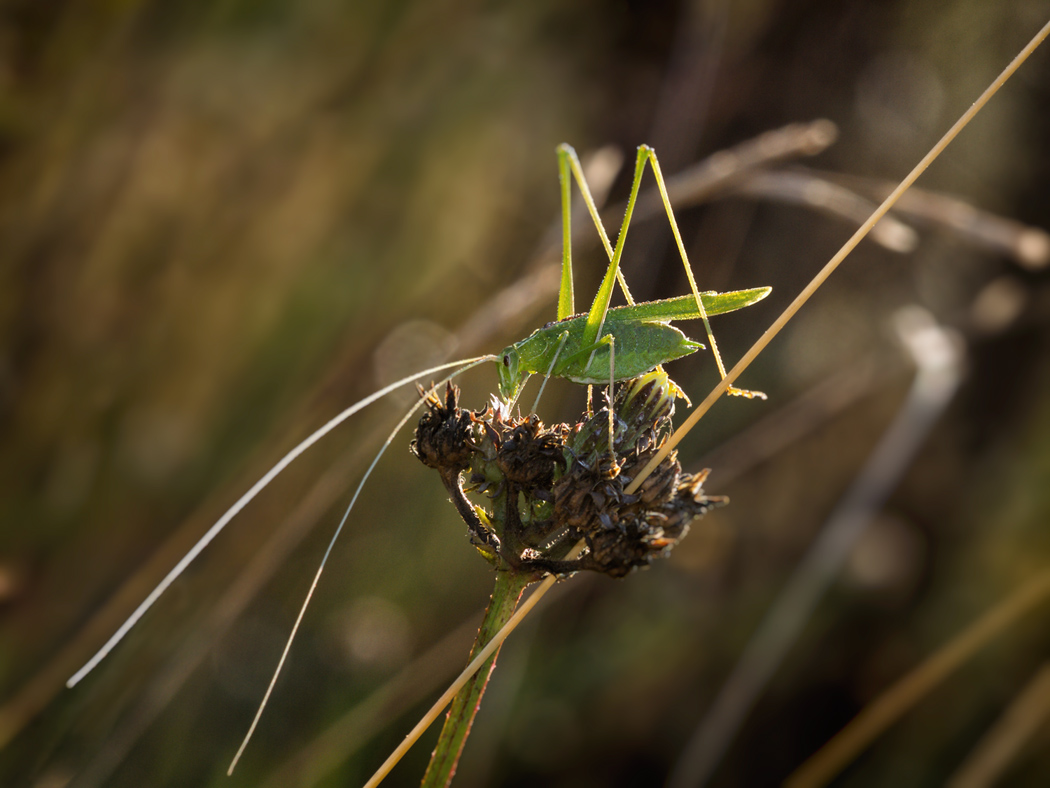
pixel 221 223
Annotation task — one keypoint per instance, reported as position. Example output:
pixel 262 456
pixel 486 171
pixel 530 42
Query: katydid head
pixel 511 378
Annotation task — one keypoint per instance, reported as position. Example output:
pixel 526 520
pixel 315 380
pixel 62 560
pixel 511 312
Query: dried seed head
pixel 530 455
pixel 641 405
pixel 550 488
pixel 444 432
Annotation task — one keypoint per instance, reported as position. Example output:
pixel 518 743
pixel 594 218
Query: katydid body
pixel 641 333
pixel 605 345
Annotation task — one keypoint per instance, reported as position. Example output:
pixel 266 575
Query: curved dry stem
pixel 805 188
pixel 1027 245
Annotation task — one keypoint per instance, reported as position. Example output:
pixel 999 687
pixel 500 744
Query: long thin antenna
pixel 328 552
pixel 243 501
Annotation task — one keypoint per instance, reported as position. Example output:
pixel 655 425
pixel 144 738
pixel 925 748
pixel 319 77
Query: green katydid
pixel 604 345
pixel 641 334
pixel 614 344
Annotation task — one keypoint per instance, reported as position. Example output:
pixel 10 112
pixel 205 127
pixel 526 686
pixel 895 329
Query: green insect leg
pixel 569 167
pixel 651 154
pixel 547 375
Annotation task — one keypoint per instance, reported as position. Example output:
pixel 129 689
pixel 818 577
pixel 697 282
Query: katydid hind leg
pixel 612 381
pixel 600 306
pixel 603 298
pixel 657 172
pixel 609 340
pixel 566 300
pixel 547 376
pixel 569 162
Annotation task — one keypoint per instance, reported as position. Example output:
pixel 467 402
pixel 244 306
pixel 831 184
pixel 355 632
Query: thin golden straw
pixel 834 262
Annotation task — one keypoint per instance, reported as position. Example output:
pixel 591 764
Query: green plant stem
pixel 443 762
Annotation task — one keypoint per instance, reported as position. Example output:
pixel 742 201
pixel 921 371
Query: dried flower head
pixel 551 488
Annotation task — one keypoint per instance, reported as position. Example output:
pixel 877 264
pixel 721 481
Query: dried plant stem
pixel 1007 737
pixel 1026 245
pixel 822 767
pixel 835 261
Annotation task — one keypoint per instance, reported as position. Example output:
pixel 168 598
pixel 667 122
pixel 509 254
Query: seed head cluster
pixel 546 489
